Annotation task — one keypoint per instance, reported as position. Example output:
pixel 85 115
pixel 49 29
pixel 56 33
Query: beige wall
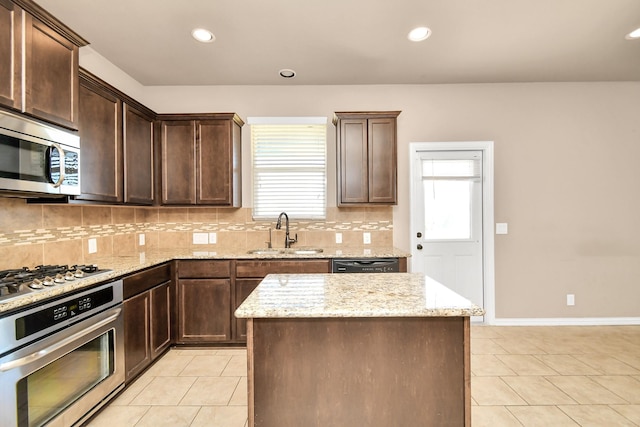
pixel 566 174
pixel 566 178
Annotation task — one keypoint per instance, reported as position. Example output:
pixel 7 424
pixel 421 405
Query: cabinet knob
pixel 419 247
pixel 419 234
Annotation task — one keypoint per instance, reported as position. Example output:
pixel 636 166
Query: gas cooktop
pixel 19 282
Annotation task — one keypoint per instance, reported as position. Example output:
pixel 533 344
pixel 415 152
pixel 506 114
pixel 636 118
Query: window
pixel 289 167
pixel 448 196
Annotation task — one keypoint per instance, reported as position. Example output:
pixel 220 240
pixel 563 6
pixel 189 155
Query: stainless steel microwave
pixel 36 158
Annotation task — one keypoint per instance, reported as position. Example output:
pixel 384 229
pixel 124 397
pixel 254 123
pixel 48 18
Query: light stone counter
pixel 124 265
pixel 354 295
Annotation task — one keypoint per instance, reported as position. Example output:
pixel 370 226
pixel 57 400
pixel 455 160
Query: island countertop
pixel 354 295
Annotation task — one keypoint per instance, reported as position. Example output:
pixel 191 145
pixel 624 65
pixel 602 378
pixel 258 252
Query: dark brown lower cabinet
pixel 243 288
pixel 204 301
pixel 137 355
pixel 160 314
pixel 249 274
pixel 204 310
pixel 147 318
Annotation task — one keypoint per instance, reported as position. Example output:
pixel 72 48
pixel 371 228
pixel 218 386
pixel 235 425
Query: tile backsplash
pixel 33 234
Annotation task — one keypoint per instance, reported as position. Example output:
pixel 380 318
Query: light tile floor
pixel 521 376
pixel 186 387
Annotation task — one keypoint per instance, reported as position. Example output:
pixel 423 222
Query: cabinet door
pixel 352 151
pixel 204 310
pixel 382 160
pixel 51 74
pixel 178 162
pixel 243 288
pixel 99 127
pixel 137 354
pixel 138 156
pixel 10 55
pixel 160 318
pixel 216 163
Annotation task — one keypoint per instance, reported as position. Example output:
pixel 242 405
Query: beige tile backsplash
pixel 33 234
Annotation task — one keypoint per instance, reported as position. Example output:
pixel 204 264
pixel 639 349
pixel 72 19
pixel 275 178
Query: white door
pixel 447 219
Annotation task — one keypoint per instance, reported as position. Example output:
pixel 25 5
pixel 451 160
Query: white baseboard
pixel 566 321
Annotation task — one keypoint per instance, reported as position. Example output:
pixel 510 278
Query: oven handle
pixel 42 353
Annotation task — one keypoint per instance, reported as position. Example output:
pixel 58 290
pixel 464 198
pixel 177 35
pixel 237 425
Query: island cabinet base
pixel 359 372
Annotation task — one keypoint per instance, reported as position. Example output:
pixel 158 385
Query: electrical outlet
pixel 502 228
pixel 571 299
pixel 338 237
pixel 141 239
pixel 213 238
pixel 366 238
pixel 93 246
pixel 200 238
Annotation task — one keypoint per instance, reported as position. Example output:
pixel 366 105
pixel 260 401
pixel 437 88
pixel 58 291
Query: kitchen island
pixel 357 349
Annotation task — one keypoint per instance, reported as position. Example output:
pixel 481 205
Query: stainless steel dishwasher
pixel 365 265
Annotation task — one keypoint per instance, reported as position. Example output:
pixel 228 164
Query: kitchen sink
pixel 304 251
pixel 265 251
pixel 289 251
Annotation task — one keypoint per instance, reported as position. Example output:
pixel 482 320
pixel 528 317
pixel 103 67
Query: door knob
pixel 419 247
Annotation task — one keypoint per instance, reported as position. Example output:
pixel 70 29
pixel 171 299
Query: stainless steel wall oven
pixel 62 360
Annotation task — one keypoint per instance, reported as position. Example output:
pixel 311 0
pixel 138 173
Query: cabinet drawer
pixel 146 279
pixel 262 268
pixel 204 269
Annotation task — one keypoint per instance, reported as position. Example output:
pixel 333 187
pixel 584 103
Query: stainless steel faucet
pixel 287 240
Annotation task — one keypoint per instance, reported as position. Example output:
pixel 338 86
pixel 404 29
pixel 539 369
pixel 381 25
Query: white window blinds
pixel 289 168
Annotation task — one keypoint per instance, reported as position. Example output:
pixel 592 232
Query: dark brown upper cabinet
pixel 201 159
pixel 138 148
pixel 47 86
pixel 10 55
pixel 366 158
pixel 99 127
pixel 117 140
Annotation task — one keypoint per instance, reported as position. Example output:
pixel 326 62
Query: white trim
pixel 487 206
pixel 567 321
pixel 287 120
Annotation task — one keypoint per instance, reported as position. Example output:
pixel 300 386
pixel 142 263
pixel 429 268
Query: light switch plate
pixel 93 246
pixel 502 228
pixel 571 299
pixel 141 239
pixel 366 238
pixel 213 238
pixel 200 238
pixel 338 237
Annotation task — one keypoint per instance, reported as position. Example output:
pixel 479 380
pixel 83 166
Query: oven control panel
pixel 69 308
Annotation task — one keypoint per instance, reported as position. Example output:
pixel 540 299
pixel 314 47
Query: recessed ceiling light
pixel 287 73
pixel 202 35
pixel 419 34
pixel 633 35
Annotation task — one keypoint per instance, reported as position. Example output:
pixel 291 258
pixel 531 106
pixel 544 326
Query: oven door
pixel 62 379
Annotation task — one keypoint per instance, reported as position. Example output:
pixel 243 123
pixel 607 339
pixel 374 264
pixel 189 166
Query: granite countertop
pixel 122 266
pixel 354 295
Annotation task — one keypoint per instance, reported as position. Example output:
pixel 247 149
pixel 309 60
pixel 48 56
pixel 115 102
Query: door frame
pixel 488 248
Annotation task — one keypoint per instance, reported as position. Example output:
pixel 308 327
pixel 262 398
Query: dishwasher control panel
pixel 365 265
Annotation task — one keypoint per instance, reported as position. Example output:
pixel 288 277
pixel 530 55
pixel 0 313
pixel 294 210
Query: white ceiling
pixel 360 41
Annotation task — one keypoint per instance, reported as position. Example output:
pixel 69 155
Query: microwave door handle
pixel 42 353
pixel 58 183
